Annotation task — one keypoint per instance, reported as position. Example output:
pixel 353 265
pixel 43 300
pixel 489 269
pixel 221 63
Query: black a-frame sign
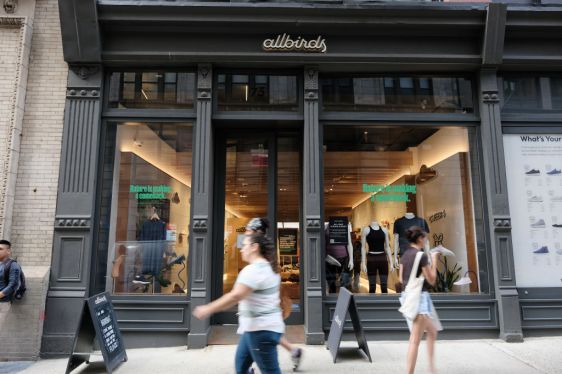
pixel 345 304
pixel 97 321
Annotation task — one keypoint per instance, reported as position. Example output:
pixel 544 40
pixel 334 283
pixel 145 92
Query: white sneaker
pixel 296 356
pixel 539 224
pixel 535 199
pixel 332 261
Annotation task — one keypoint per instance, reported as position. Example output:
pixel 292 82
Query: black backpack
pixel 20 287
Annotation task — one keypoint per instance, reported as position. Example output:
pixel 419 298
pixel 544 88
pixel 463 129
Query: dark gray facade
pixel 478 40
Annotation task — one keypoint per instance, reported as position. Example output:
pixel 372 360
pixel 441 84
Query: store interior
pixel 151 209
pixel 376 175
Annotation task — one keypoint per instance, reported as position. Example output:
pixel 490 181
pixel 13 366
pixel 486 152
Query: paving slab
pixel 535 355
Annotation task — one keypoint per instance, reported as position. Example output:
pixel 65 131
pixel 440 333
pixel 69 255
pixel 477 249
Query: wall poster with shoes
pixel 534 181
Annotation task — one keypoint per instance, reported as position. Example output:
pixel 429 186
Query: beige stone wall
pixel 33 78
pixel 38 169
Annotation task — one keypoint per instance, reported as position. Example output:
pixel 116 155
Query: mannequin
pixel 401 225
pixel 376 255
pixel 153 233
pixel 339 257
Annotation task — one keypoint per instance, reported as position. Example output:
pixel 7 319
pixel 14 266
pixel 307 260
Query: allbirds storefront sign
pixel 286 43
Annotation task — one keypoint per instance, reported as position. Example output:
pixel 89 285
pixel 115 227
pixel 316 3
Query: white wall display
pixel 534 179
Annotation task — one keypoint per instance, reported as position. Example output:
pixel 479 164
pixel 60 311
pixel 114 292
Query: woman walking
pixel 426 320
pixel 257 292
pixel 259 226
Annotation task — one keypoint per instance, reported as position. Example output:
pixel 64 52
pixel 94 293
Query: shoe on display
pixel 539 224
pixel 535 199
pixel 556 198
pixel 533 172
pixel 332 261
pixel 444 251
pixel 176 260
pixel 554 172
pixel 541 250
pixel 140 279
pixel 296 356
pixel 558 225
pixel 559 251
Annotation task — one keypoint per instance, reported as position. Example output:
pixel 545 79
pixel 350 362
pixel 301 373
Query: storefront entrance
pixel 257 174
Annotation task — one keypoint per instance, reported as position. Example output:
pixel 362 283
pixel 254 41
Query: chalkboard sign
pixel 338 230
pixel 97 322
pixel 345 304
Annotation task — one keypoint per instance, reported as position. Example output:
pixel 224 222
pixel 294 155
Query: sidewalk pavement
pixel 535 355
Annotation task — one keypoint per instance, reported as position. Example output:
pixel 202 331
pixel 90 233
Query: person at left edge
pixel 8 288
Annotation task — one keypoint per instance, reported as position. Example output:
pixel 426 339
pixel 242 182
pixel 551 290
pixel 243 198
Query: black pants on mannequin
pixel 333 272
pixel 377 264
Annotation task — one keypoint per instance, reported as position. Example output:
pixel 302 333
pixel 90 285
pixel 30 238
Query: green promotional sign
pixel 383 193
pixel 149 192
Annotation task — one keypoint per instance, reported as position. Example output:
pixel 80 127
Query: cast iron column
pixel 498 209
pixel 313 214
pixel 201 242
pixel 72 244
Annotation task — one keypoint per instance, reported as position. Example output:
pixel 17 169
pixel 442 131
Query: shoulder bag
pixel 410 298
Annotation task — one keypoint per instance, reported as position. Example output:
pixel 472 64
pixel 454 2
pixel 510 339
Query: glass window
pixel 153 89
pixel 556 92
pixel 249 92
pixel 397 94
pixel 521 94
pixel 379 181
pixel 145 209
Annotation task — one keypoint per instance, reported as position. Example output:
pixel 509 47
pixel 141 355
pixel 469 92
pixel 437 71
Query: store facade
pixel 186 119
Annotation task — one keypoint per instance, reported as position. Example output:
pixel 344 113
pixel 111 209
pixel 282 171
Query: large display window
pixel 378 182
pixel 145 217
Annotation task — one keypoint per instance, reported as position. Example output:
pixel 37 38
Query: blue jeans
pixel 259 347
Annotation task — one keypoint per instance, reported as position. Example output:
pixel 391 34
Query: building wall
pixel 39 77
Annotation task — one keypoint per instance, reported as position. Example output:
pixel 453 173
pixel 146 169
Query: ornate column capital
pixel 310 83
pixel 204 81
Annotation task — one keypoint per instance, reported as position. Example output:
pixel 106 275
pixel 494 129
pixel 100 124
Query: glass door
pixel 257 175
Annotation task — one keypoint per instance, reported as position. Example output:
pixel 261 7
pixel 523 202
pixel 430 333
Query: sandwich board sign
pixel 98 323
pixel 345 304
